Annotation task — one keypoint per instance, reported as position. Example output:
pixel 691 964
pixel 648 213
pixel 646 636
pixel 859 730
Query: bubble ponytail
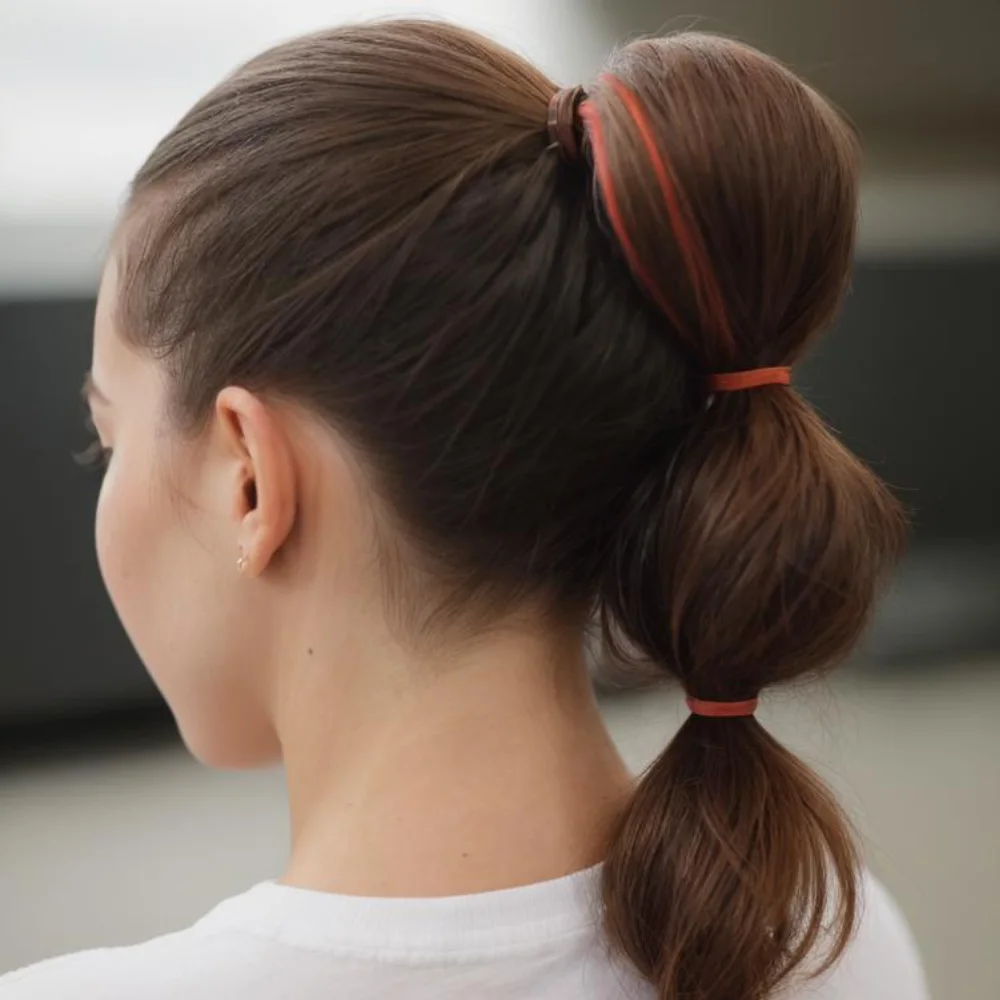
pixel 755 556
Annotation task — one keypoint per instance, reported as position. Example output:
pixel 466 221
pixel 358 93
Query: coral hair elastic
pixel 751 379
pixel 722 709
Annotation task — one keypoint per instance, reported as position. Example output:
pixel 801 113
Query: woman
pixel 407 365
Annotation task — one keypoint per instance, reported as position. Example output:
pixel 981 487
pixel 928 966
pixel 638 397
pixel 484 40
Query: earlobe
pixel 264 501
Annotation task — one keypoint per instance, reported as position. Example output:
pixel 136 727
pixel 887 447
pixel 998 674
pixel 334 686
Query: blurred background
pixel 108 833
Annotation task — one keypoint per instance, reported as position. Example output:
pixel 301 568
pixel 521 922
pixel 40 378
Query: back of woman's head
pixel 376 223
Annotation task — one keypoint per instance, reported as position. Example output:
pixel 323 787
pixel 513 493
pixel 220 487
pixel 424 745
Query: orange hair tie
pixel 722 709
pixel 735 381
pixel 689 241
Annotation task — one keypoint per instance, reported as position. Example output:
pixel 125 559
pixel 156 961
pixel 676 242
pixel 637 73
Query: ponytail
pixel 733 864
pixel 754 555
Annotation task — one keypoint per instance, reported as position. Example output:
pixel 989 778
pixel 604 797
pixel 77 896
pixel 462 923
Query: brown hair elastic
pixel 722 709
pixel 564 122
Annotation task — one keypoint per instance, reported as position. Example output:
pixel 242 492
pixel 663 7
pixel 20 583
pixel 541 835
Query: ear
pixel 264 495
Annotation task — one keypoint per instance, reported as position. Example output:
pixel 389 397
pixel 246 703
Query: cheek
pixel 170 570
pixel 147 556
pixel 125 530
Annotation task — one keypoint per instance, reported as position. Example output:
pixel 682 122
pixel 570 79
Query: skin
pixel 416 765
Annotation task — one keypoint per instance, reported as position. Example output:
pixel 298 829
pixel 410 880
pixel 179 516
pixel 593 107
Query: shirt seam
pixel 396 955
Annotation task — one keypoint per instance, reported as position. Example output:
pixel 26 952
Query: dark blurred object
pixel 63 649
pixel 908 379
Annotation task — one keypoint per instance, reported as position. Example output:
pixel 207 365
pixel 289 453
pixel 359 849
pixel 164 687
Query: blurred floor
pixel 113 844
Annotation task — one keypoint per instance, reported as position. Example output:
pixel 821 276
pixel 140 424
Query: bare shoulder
pixel 881 963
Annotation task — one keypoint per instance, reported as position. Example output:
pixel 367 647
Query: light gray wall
pixel 889 61
pixel 85 90
pixel 921 78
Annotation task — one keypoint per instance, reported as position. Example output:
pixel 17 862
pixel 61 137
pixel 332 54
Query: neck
pixel 430 776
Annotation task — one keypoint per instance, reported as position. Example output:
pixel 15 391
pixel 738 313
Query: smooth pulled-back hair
pixel 373 221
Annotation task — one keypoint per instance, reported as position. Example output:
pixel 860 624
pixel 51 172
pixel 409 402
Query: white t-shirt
pixel 539 942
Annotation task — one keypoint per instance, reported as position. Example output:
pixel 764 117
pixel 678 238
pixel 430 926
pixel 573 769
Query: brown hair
pixel 373 221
